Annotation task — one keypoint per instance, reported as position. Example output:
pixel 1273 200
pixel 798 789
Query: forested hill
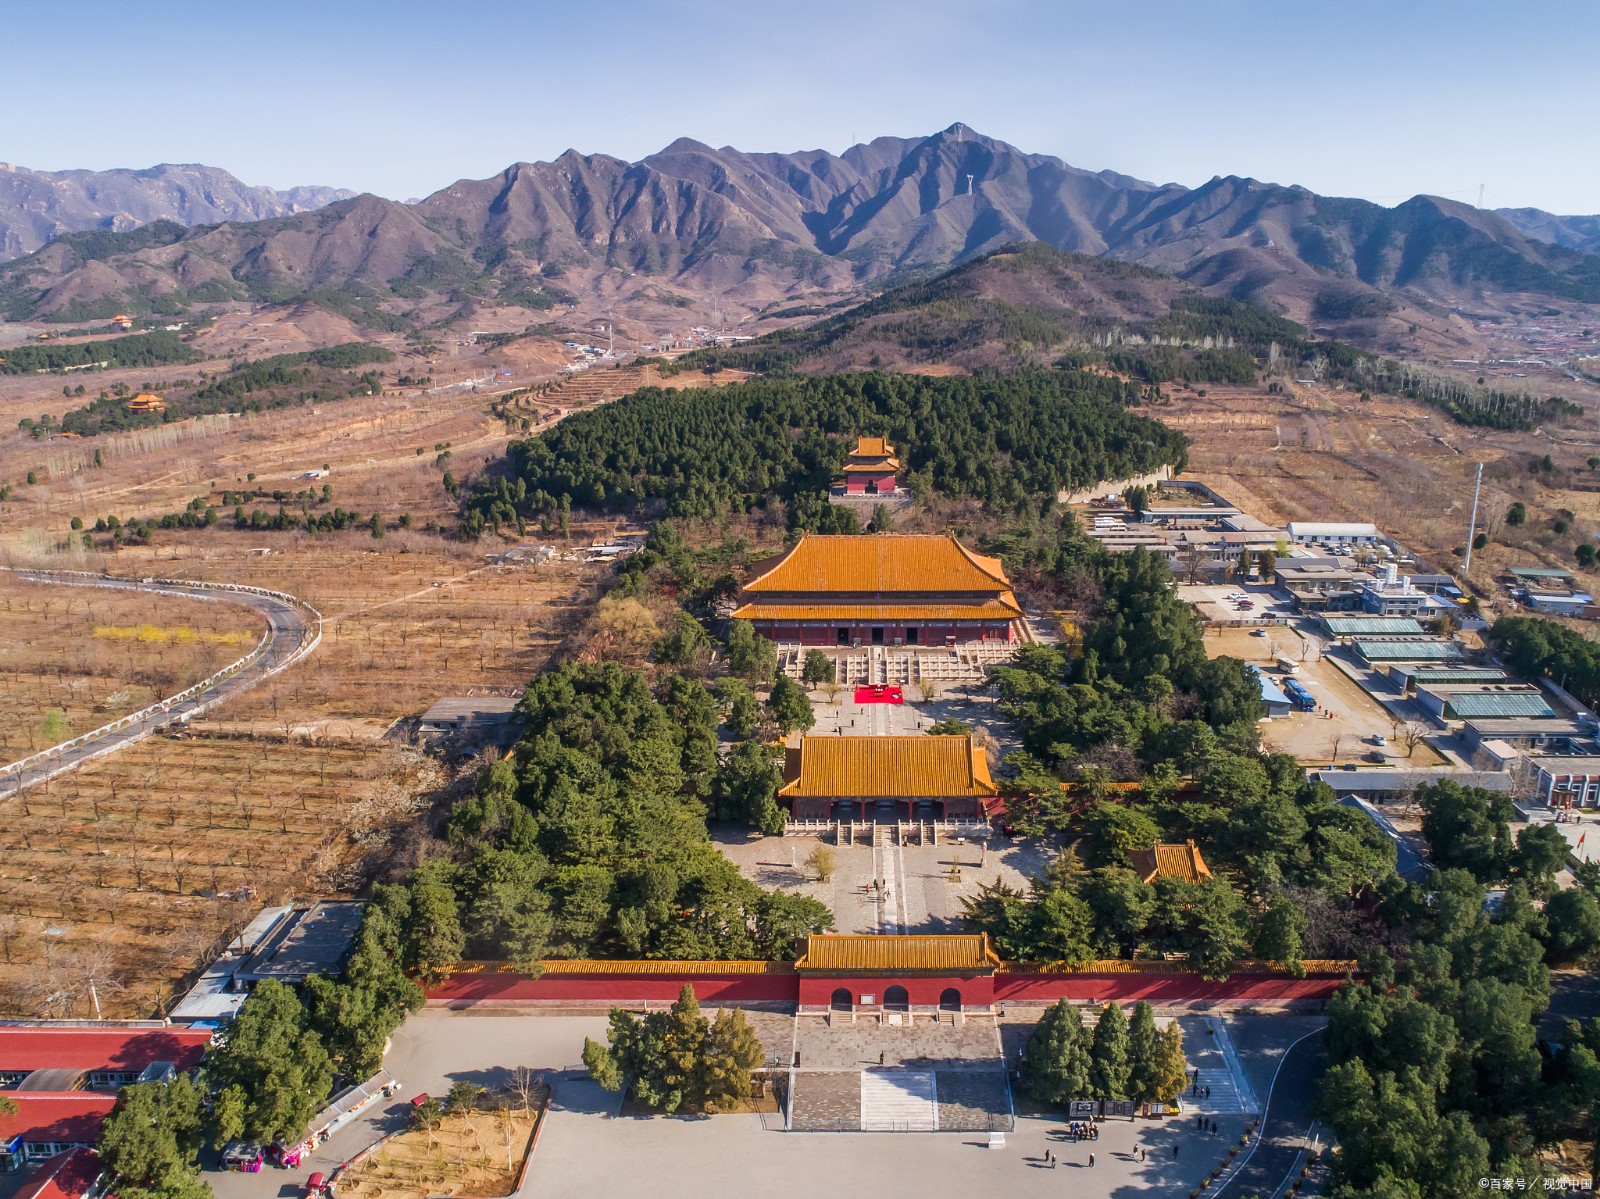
pixel 1001 439
pixel 1026 305
pixel 1032 305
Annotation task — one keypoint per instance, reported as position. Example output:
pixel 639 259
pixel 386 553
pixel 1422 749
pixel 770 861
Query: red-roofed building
pixel 66 1176
pixel 64 1081
pixel 48 1124
pixel 110 1057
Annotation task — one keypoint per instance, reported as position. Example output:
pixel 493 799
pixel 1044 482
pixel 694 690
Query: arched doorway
pixel 842 1000
pixel 897 999
pixel 949 1000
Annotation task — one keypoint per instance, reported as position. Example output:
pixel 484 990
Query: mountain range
pixel 754 232
pixel 38 206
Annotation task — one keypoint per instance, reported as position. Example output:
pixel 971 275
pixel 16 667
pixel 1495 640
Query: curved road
pixel 290 628
pixel 1282 1136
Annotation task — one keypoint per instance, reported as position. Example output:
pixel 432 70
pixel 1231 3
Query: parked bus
pixel 1301 697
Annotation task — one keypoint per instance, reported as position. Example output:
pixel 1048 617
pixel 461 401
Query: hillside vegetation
pixel 1001 440
pixel 308 377
pixel 1031 305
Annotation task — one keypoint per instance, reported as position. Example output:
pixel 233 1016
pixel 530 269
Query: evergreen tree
pixel 434 932
pixel 677 1060
pixel 743 714
pixel 356 1015
pixel 732 1050
pixel 1144 1045
pixel 1279 939
pixel 750 657
pixel 1108 1055
pixel 272 1073
pixel 1055 1061
pixel 790 707
pixel 151 1140
pixel 818 668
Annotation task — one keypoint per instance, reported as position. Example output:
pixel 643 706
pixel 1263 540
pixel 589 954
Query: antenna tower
pixel 1472 525
pixel 1480 195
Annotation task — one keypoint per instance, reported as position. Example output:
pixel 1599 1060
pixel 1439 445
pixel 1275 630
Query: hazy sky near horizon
pixel 1375 98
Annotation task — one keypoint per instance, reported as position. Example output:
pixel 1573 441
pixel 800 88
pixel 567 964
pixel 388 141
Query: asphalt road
pixel 288 626
pixel 1281 1137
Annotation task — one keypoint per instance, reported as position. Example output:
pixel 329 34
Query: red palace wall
pixel 976 990
pixel 856 484
pixel 1160 988
pixel 596 989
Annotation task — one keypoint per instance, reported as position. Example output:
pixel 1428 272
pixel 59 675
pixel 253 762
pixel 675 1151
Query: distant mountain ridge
pixel 1575 232
pixel 748 230
pixel 36 206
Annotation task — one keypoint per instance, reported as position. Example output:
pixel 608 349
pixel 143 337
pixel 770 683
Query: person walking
pixel 1091 1161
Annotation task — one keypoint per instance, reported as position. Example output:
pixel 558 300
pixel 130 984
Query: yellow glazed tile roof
pixel 867 612
pixel 872 447
pixel 879 565
pixel 963 953
pixel 1170 861
pixel 872 468
pixel 900 766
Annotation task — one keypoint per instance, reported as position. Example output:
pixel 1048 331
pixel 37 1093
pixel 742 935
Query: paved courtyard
pixel 920 893
pixel 588 1149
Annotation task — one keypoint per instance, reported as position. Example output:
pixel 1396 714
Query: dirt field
pixel 114 873
pixel 476 1153
pixel 128 871
pixel 1320 453
pixel 73 659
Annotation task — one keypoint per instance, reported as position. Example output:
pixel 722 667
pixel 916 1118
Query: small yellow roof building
pixel 1171 861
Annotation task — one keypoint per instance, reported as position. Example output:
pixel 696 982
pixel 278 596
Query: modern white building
pixel 1304 532
pixel 1564 782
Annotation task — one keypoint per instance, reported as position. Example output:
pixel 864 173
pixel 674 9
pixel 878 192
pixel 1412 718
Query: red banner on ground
pixel 879 695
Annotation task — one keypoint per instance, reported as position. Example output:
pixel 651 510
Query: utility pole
pixel 1472 525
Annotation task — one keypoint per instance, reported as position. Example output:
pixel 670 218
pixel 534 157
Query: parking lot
pixel 1236 603
pixel 1347 719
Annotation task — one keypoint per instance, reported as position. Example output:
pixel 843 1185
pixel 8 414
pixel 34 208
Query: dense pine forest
pixel 159 348
pixel 1001 440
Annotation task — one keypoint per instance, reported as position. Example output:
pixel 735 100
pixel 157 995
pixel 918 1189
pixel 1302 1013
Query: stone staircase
pixel 899 1100
pixel 1213 1055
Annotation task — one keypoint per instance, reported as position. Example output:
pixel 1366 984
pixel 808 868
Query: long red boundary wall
pixel 780 987
pixel 594 989
pixel 1161 989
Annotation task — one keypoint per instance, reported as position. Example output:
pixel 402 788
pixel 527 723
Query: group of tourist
pixel 1084 1130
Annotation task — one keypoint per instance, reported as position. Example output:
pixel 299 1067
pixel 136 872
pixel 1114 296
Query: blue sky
pixel 401 97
